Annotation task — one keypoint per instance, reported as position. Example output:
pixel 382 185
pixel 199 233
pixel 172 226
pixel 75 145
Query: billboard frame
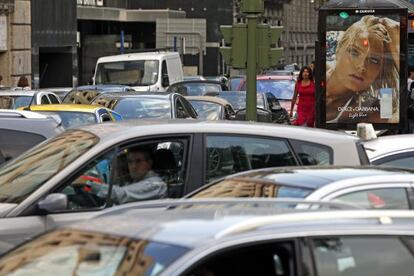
pixel 320 75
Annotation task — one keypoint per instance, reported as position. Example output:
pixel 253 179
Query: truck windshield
pixel 132 73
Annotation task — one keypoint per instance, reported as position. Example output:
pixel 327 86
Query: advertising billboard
pixel 363 62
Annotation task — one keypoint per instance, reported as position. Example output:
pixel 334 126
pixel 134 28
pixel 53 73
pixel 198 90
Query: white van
pixel 147 71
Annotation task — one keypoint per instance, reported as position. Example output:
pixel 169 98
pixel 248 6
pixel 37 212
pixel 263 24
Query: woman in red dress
pixel 305 88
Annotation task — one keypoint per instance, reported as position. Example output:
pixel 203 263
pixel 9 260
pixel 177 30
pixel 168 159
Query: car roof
pixel 155 95
pixel 14 113
pixel 314 177
pixel 388 144
pixel 65 107
pixel 211 99
pixel 130 128
pixel 102 87
pixel 195 227
pixel 133 56
pixel 29 93
pixel 276 77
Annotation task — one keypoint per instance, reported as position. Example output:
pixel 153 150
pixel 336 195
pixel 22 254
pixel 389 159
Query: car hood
pixel 5 208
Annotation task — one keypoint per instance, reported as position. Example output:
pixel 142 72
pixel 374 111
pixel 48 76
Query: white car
pixel 37 190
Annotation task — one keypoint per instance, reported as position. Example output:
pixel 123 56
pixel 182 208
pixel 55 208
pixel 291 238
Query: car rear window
pixel 251 189
pixel 14 142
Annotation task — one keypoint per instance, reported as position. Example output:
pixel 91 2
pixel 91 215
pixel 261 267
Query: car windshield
pixel 22 176
pixel 138 108
pixel 207 110
pixel 234 83
pixel 132 73
pixel 248 188
pixel 76 252
pixel 81 96
pixel 281 89
pixel 238 100
pixel 13 102
pixel 199 89
pixel 73 118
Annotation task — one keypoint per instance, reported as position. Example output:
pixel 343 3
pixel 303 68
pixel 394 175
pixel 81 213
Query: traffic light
pixel 234 51
pixel 252 6
pixel 267 38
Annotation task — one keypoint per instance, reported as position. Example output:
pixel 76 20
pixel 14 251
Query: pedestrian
pixel 23 82
pixel 362 81
pixel 312 67
pixel 410 84
pixel 1 79
pixel 305 90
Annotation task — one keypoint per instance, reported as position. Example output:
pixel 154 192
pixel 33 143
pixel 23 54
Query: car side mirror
pixel 165 81
pixel 53 202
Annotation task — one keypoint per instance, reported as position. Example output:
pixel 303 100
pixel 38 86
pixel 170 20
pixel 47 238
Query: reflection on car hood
pixel 5 208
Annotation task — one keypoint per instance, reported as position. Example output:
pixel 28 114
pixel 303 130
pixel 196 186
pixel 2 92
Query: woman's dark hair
pixel 23 82
pixel 300 77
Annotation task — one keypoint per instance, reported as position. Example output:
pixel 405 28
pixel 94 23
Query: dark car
pixel 154 105
pixel 21 130
pixel 86 94
pixel 212 108
pixel 268 107
pixel 196 87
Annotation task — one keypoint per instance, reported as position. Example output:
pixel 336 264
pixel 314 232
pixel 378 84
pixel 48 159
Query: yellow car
pixel 73 115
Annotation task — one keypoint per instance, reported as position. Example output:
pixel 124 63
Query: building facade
pixel 57 43
pixel 15 41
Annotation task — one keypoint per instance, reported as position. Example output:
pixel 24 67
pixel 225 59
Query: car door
pixel 15 230
pixel 170 162
pixel 375 196
pixel 366 255
pixel 271 257
pixel 225 154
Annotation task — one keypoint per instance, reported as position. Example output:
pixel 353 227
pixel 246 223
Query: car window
pixel 368 256
pixel 180 110
pixel 20 177
pixel 13 143
pixel 385 198
pixel 230 154
pixel 312 153
pixel 44 100
pixel 79 191
pixel 398 160
pixel 75 252
pixel 271 258
pixel 53 99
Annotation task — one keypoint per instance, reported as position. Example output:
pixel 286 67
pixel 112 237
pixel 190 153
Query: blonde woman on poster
pixel 362 82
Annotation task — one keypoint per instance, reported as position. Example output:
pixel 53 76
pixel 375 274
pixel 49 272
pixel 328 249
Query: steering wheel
pixel 83 195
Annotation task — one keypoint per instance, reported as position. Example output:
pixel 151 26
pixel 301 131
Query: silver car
pixel 38 191
pixel 367 187
pixel 224 241
pixel 393 150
